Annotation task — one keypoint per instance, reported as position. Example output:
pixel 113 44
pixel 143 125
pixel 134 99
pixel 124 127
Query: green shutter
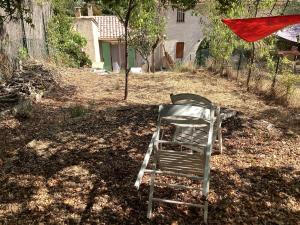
pixel 131 57
pixel 106 56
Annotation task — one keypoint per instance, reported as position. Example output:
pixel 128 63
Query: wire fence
pixel 16 36
pixel 280 87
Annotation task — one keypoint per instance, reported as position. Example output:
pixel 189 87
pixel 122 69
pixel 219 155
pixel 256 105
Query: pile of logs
pixel 31 82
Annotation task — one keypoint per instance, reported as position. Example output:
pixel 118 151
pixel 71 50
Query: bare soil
pixel 61 169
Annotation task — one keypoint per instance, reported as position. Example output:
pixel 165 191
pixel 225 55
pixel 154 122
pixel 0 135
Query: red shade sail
pixel 254 29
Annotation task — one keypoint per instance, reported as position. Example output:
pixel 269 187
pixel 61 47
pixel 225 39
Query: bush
pixel 180 67
pixel 77 110
pixel 66 44
pixel 23 110
pixel 289 82
pixel 23 54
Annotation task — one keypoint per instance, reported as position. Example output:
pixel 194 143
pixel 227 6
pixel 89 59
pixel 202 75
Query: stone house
pixel 105 47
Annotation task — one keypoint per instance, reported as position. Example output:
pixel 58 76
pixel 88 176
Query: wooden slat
pixel 184 165
pixel 182 171
pixel 174 159
pixel 180 143
pixel 178 186
pixel 180 113
pixel 173 152
pixel 178 202
pixel 169 173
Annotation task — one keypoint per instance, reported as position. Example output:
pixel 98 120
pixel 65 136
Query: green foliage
pixel 180 67
pixel 66 44
pixel 126 10
pixel 77 110
pixel 223 6
pixel 223 42
pixel 14 10
pixel 202 53
pixel 23 54
pixel 183 4
pixel 293 8
pixel 221 39
pixel 288 79
pixel 65 7
pixel 146 28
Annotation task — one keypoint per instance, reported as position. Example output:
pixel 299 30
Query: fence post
pixel 239 66
pixel 275 75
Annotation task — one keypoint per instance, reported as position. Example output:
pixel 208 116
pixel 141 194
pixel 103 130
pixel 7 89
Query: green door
pixel 131 57
pixel 106 56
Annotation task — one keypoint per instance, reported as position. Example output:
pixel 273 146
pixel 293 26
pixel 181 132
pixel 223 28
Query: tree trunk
pixel 153 61
pixel 24 39
pixel 251 65
pixel 148 65
pixel 131 6
pixel 275 75
pixel 126 62
pixel 239 67
pixel 222 67
pixel 153 50
pixel 253 50
pixel 285 6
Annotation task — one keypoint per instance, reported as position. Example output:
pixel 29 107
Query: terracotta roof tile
pixel 109 27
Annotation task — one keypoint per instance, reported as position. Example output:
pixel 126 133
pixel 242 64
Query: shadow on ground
pixel 62 170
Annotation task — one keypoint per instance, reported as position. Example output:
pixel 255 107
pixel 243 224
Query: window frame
pixel 180 16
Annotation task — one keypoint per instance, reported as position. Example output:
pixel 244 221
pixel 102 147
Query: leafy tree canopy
pixel 14 10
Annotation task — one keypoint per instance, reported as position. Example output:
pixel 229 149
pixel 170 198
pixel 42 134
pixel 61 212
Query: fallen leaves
pixel 57 170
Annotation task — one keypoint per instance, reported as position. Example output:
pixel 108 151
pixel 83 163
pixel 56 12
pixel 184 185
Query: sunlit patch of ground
pixel 61 169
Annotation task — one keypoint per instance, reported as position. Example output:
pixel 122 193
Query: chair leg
pixel 205 211
pixel 149 212
pixel 220 139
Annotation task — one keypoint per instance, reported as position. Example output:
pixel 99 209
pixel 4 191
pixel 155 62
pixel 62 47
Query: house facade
pixel 104 41
pixel 183 34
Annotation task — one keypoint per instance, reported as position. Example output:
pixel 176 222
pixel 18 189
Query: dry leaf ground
pixel 56 169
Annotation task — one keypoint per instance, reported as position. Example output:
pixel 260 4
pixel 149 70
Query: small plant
pixel 185 67
pixel 23 110
pixel 77 110
pixel 289 81
pixel 23 54
pixel 65 43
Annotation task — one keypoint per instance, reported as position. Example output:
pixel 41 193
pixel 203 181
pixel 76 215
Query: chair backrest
pixel 190 99
pixel 198 161
pixel 185 111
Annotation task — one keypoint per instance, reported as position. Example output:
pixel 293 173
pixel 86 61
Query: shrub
pixel 289 81
pixel 23 110
pixel 77 110
pixel 23 54
pixel 66 44
pixel 180 67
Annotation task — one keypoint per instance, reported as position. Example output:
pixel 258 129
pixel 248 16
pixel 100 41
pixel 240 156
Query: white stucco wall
pixel 190 32
pixel 88 29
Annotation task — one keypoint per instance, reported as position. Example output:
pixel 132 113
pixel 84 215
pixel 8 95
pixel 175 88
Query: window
pixel 180 16
pixel 179 50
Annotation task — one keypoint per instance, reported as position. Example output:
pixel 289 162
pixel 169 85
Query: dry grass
pixel 156 88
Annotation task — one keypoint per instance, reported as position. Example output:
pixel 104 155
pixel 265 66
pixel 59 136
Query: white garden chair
pixel 184 132
pixel 171 161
